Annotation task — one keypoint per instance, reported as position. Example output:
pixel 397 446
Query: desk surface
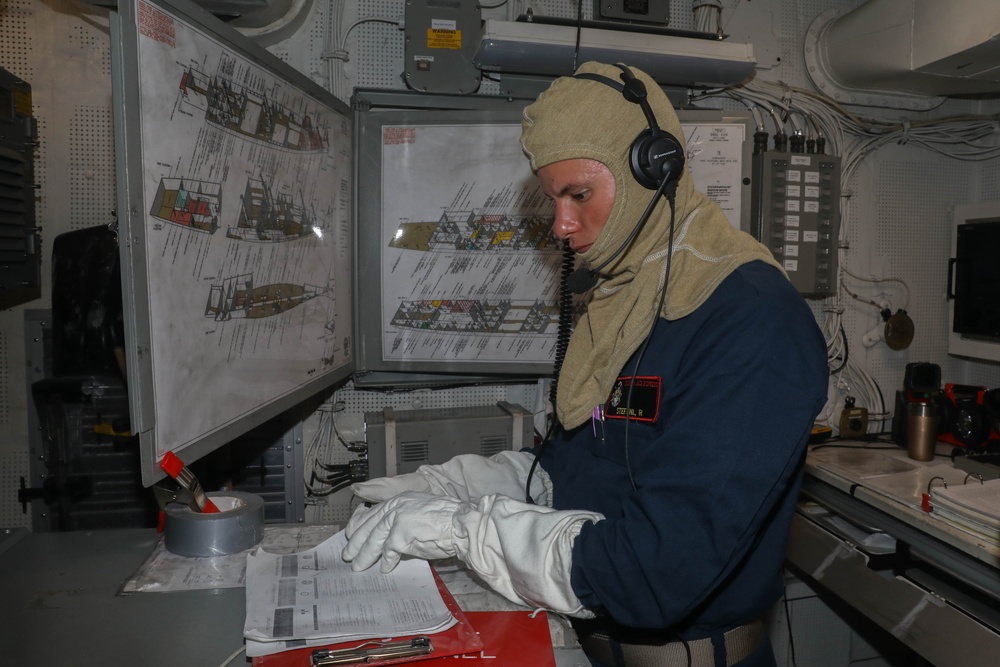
pixel 947 612
pixel 61 606
pixel 863 470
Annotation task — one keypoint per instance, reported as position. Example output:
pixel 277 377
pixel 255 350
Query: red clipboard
pixel 510 638
pixel 459 639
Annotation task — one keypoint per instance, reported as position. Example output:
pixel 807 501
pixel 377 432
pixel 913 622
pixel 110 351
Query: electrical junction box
pixel 796 214
pixel 400 441
pixel 441 37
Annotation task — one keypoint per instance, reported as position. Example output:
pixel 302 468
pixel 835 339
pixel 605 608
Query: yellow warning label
pixel 22 102
pixel 444 39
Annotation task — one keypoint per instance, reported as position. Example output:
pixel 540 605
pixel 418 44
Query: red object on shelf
pixel 174 467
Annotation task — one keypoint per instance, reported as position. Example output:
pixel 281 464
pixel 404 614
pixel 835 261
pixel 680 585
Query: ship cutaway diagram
pixel 251 114
pixel 475 231
pixel 239 298
pixel 269 217
pixel 188 203
pixel 494 316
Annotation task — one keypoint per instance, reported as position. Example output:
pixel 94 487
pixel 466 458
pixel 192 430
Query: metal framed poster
pixel 234 177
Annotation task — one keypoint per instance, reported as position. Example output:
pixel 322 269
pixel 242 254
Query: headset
pixel 656 159
pixel 655 155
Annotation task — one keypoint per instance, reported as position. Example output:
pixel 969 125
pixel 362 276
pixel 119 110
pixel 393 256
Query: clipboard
pixel 459 639
pixel 511 639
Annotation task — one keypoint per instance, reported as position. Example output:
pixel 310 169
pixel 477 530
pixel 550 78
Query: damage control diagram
pixel 470 268
pixel 246 221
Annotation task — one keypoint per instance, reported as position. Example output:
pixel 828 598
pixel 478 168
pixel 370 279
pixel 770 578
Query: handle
pixel 952 262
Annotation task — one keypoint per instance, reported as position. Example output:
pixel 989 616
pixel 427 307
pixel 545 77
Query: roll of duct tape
pixel 238 525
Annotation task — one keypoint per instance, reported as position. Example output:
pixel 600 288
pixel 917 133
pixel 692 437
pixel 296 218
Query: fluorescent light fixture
pixel 542 49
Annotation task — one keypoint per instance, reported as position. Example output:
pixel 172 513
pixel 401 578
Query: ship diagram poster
pixel 244 222
pixel 470 269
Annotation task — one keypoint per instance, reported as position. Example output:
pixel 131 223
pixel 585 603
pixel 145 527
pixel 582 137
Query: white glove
pixel 524 552
pixel 465 477
pixel 414 523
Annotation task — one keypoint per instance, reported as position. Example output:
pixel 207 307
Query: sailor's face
pixel 583 191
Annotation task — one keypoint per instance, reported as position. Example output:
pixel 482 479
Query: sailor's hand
pixel 412 523
pixel 381 489
pixel 466 477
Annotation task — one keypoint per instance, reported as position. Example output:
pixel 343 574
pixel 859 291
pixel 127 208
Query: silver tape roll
pixel 238 525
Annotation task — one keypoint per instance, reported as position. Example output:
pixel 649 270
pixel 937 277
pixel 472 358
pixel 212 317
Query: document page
pixel 314 594
pixel 973 506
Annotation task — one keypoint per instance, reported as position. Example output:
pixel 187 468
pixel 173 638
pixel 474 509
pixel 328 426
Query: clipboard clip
pixel 372 651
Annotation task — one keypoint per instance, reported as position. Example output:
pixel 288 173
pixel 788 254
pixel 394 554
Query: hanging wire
pixel 323 478
pixel 899 281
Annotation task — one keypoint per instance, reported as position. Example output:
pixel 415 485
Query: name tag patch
pixel 645 399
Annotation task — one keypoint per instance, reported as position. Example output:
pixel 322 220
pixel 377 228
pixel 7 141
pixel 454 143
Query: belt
pixel 740 643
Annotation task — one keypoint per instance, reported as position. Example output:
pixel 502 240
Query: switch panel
pixel 796 214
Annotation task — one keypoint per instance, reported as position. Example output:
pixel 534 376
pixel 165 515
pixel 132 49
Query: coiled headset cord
pixel 562 343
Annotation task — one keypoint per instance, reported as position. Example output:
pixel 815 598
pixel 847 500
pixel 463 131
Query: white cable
pixel 367 19
pixel 232 656
pixel 336 55
pixel 334 63
pixel 899 281
pixel 707 15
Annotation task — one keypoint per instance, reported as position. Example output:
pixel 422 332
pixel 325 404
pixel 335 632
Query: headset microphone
pixel 582 281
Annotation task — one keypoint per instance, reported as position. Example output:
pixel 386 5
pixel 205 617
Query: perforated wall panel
pixel 18 56
pixel 990 182
pixel 92 166
pixel 304 50
pixel 4 381
pixel 16 47
pixel 376 48
pixel 793 18
pixel 914 235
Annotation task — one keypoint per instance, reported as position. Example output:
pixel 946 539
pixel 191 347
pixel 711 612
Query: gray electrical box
pixel 441 40
pixel 796 214
pixel 400 441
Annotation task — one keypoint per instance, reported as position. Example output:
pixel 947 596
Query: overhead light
pixel 525 47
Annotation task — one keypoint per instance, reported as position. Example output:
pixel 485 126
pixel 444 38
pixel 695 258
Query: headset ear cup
pixel 655 157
